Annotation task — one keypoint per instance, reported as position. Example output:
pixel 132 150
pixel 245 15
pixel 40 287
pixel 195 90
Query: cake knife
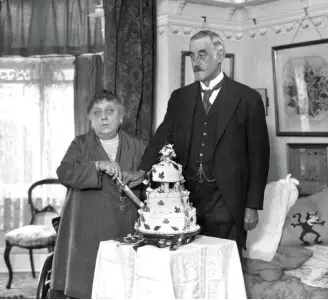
pixel 130 194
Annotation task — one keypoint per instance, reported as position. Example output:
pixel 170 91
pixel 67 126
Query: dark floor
pixel 24 286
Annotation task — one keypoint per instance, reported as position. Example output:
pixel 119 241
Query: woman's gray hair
pixel 106 95
pixel 214 37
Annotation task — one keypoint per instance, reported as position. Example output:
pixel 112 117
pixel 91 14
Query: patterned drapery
pixel 130 32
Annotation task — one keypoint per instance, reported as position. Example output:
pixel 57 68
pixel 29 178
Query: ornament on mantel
pixel 204 23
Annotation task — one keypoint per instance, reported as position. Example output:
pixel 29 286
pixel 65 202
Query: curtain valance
pixel 42 27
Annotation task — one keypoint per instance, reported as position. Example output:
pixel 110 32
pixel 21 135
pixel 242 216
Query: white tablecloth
pixel 207 268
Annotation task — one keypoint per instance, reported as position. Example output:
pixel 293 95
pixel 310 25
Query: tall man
pixel 220 136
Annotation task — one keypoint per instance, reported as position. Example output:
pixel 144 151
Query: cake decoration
pixel 167 214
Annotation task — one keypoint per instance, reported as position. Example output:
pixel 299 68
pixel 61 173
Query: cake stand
pixel 174 241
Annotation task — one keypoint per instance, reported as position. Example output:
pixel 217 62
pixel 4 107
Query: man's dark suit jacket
pixel 241 159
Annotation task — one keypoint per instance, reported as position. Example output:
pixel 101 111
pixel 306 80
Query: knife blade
pixel 130 194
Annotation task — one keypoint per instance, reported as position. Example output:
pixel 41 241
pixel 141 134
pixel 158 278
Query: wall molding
pixel 266 26
pixel 174 23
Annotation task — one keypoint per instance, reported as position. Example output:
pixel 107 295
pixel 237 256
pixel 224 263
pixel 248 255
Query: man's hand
pixel 133 178
pixel 251 218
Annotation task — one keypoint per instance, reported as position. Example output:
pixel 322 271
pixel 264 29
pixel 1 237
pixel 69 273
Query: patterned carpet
pixel 24 286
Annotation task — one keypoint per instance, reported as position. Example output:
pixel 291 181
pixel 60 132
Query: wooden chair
pixel 37 235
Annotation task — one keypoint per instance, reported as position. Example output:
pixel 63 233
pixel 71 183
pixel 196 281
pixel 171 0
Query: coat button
pixel 204 133
pixel 201 154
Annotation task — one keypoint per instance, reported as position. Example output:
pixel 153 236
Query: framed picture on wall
pixel 265 100
pixel 300 73
pixel 308 163
pixel 187 74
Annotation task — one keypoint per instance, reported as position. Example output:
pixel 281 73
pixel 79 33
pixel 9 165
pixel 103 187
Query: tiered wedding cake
pixel 167 210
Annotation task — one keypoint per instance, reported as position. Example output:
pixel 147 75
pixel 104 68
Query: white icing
pixel 166 171
pixel 167 209
pixel 175 223
pixel 167 203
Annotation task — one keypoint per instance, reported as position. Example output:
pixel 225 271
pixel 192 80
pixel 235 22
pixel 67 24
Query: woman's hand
pixel 111 168
pixel 133 178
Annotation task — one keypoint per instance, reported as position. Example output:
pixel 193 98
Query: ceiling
pixel 241 1
pixel 232 3
pixel 236 1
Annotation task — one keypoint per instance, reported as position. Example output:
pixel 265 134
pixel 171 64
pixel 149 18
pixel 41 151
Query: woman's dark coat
pixel 93 211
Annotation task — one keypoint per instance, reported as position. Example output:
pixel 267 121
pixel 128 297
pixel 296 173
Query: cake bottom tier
pixel 173 223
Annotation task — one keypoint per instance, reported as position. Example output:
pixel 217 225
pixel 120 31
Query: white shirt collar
pixel 213 82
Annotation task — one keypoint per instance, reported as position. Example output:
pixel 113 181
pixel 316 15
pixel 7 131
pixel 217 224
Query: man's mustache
pixel 197 69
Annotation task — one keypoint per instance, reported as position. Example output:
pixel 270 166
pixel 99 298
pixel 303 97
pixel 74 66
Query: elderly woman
pixel 95 209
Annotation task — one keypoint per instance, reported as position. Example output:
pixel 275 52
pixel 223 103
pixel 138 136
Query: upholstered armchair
pixel 38 234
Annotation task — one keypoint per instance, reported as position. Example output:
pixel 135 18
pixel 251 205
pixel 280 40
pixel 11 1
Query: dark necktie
pixel 207 95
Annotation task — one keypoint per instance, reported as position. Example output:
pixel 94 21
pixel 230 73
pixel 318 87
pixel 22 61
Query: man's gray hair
pixel 214 37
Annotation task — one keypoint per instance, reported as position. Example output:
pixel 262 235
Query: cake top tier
pixel 167 170
pixel 168 153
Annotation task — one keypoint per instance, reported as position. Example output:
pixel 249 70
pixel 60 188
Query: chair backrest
pixel 41 213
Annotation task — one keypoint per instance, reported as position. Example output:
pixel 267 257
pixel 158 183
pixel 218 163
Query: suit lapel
pixel 229 99
pixel 190 99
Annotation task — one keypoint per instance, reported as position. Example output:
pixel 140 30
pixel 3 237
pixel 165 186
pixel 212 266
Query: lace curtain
pixel 36 127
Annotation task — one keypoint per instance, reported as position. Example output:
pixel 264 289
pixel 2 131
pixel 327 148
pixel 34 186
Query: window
pixel 36 127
